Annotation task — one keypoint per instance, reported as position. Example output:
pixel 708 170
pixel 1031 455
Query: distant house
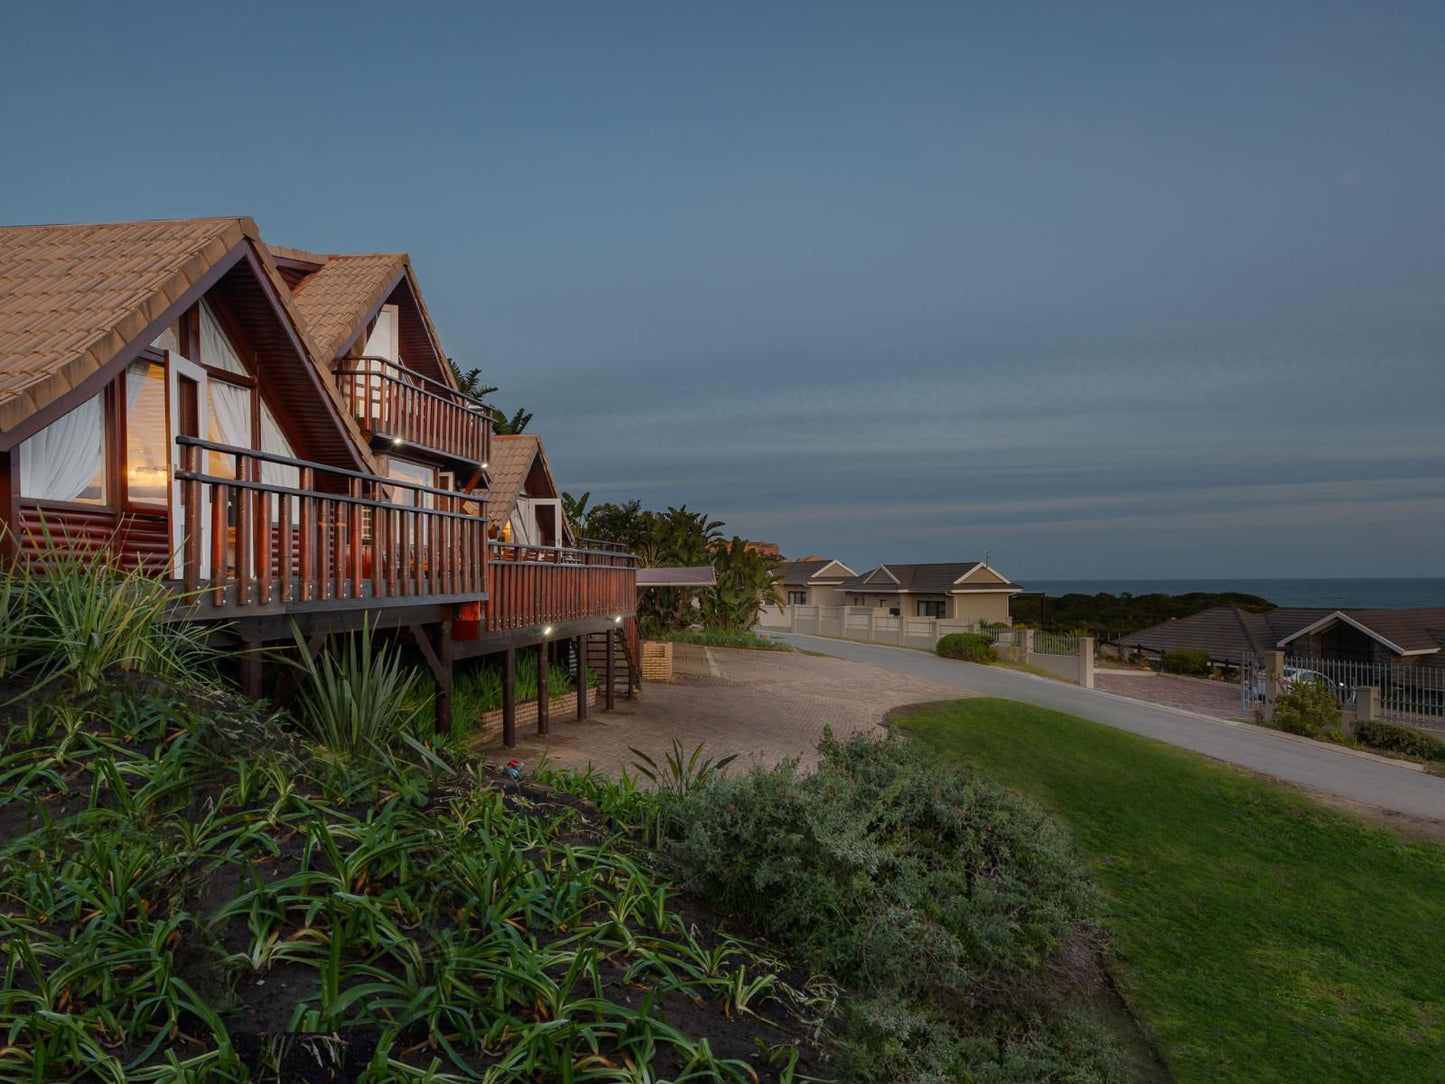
pixel 1401 637
pixel 813 581
pixel 967 591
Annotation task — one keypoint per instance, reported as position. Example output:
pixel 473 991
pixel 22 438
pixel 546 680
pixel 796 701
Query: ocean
pixel 1344 594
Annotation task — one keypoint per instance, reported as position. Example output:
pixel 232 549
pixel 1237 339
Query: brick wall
pixel 656 660
pixel 563 707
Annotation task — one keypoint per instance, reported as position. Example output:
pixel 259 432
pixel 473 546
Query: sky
pixel 1107 290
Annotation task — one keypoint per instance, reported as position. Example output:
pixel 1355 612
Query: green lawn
pixel 1256 936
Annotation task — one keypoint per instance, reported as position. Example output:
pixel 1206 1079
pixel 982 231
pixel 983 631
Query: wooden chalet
pixel 279 434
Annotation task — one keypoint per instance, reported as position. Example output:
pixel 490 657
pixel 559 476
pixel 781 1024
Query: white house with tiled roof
pixel 968 591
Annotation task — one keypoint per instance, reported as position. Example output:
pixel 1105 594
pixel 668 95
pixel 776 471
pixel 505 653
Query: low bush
pixel 357 697
pixel 968 646
pixel 723 638
pixel 1308 708
pixel 932 892
pixel 1397 738
pixel 1187 660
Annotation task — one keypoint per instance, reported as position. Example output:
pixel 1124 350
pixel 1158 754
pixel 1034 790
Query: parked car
pixel 1292 675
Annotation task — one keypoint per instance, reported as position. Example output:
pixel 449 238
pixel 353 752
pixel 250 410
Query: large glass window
pixel 147 460
pixel 415 473
pixel 65 461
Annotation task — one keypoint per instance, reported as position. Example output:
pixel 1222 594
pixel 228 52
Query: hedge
pixel 968 646
pixel 1396 738
pixel 1187 660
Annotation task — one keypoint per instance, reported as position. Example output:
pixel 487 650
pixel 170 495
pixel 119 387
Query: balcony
pixel 393 404
pixel 263 533
pixel 549 585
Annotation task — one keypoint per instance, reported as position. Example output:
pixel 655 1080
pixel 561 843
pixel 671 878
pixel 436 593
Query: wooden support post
pixel 610 667
pixel 582 677
pixel 249 664
pixel 444 683
pixel 543 722
pixel 509 698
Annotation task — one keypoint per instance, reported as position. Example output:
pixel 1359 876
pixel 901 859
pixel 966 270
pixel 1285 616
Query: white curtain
pixel 230 423
pixel 60 462
pixel 275 442
pixel 216 348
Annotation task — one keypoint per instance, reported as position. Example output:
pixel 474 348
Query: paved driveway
pixel 1217 698
pixel 762 705
pixel 1389 785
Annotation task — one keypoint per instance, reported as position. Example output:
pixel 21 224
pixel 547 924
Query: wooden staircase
pixel 626 671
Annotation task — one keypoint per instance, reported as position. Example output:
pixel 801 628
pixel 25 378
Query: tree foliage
pixel 1118 615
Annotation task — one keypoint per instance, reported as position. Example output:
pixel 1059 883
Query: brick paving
pixel 1219 699
pixel 763 705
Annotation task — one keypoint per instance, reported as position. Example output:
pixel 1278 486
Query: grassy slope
pixel 1258 936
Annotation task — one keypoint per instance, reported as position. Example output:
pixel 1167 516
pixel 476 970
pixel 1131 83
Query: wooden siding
pixel 141 538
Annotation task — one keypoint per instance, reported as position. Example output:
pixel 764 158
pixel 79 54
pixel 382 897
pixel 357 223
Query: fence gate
pixel 1252 685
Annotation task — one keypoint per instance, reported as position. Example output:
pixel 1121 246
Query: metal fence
pixel 1054 643
pixel 1408 694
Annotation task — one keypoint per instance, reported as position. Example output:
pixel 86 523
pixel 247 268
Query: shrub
pixel 1396 738
pixel 968 646
pixel 938 896
pixel 86 615
pixel 1308 708
pixel 887 866
pixel 358 697
pixel 1187 660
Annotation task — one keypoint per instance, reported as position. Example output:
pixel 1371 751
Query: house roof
pixel 72 297
pixel 801 573
pixel 934 579
pixel 693 576
pixel 1227 632
pixel 1406 632
pixel 514 458
pixel 343 294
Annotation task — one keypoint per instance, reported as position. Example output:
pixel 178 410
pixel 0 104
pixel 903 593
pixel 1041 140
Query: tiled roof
pixel 937 579
pixel 72 297
pixel 801 573
pixel 511 462
pixel 691 576
pixel 338 298
pixel 1228 632
pixel 512 457
pixel 1409 629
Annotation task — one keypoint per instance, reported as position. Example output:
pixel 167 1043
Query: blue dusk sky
pixel 1107 289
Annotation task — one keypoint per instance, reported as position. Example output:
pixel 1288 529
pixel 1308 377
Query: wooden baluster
pixel 243 532
pixel 219 499
pixel 263 543
pixel 307 536
pixel 283 540
pixel 355 540
pixel 380 546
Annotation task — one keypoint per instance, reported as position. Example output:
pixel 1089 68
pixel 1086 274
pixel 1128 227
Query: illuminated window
pixel 65 461
pixel 146 459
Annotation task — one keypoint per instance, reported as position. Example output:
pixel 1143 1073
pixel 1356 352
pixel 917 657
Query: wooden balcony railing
pixel 391 402
pixel 543 585
pixel 333 536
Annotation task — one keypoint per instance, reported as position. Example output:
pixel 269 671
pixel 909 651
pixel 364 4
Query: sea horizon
pixel 1382 592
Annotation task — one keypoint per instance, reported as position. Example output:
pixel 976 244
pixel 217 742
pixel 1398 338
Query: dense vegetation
pixel 1308 708
pixel 725 638
pixel 678 538
pixel 1110 616
pixel 954 915
pixel 1256 935
pixel 192 889
pixel 1186 660
pixel 968 646
pixel 1397 738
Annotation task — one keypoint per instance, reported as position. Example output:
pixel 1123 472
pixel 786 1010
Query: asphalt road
pixel 1392 785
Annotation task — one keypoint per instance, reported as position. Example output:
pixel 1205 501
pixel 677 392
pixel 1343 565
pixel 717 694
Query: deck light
pixel 617 620
pixel 396 442
pixel 485 466
pixel 547 631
